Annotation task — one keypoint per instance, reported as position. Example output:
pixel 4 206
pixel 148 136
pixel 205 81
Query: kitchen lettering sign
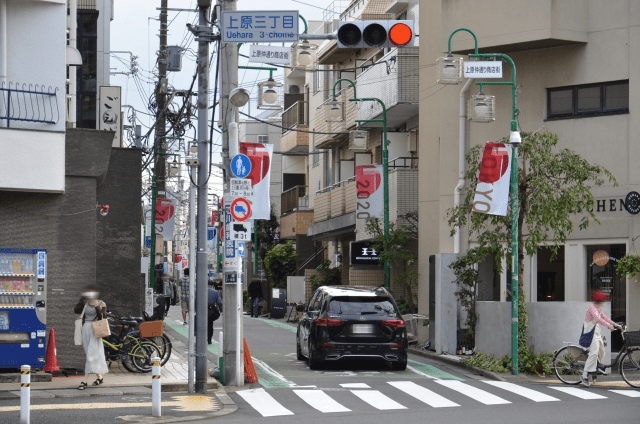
pixel 492 192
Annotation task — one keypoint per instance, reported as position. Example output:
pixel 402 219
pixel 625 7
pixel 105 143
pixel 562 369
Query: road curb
pixel 429 355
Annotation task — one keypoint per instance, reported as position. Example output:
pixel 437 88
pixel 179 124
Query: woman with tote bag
pixel 92 310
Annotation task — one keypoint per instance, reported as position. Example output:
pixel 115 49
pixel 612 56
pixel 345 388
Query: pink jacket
pixel 595 314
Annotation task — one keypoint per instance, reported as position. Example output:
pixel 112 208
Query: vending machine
pixel 23 319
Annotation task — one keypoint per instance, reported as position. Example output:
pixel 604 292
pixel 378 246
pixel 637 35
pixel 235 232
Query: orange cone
pixel 52 356
pixel 249 370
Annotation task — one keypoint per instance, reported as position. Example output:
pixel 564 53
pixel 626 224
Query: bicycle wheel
pixel 141 355
pixel 568 364
pixel 630 367
pixel 164 344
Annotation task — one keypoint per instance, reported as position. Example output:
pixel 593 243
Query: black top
pixel 255 289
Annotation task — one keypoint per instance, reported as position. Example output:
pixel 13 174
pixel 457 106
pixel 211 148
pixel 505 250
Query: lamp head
pixel 239 97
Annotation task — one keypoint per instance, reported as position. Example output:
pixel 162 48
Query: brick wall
pixel 366 277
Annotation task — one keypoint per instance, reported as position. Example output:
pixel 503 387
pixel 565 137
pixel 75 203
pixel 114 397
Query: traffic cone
pixel 249 370
pixel 52 355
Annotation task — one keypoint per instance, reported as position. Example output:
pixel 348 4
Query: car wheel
pixel 314 364
pixel 399 366
pixel 298 350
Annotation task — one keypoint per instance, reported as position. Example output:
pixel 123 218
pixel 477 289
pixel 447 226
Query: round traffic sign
pixel 240 209
pixel 241 165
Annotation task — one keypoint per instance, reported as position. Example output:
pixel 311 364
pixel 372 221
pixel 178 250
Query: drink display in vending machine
pixel 23 293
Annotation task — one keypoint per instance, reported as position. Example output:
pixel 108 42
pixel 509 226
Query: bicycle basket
pixel 152 329
pixel 632 338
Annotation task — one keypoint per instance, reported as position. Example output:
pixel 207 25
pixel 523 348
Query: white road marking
pixel 473 392
pixel 422 394
pixel 320 400
pixel 273 372
pixel 630 393
pixel 377 399
pixel 580 393
pixel 263 402
pixel 522 391
pixel 355 385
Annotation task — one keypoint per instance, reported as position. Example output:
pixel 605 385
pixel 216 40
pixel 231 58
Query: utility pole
pixel 159 172
pixel 203 36
pixel 228 81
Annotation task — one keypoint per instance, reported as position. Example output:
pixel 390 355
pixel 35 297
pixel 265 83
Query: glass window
pixel 560 102
pixel 588 99
pixel 352 305
pixel 616 96
pixel 550 275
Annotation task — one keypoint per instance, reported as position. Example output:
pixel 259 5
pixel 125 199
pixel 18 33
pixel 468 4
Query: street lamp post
pixel 514 141
pixel 385 164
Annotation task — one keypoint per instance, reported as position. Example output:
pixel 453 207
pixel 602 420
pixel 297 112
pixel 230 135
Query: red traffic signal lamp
pixel 366 34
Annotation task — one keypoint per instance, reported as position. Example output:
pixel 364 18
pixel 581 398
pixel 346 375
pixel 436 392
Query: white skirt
pixel 94 351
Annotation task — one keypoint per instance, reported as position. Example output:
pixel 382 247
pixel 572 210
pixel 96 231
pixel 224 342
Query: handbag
pixel 77 335
pixel 101 328
pixel 214 313
pixel 586 338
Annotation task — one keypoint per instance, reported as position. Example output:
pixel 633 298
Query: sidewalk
pixel 611 380
pixel 120 382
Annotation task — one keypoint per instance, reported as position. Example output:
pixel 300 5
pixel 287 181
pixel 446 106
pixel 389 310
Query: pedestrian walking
pixel 92 309
pixel 214 309
pixel 594 317
pixel 184 295
pixel 255 296
pixel 167 291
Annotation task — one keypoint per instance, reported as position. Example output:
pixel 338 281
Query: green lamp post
pixel 451 73
pixel 385 163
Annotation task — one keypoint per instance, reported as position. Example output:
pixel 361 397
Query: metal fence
pixel 28 103
pixel 294 199
pixel 296 115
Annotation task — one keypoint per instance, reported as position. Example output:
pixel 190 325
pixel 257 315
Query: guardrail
pixel 28 103
pixel 294 199
pixel 403 162
pixel 296 115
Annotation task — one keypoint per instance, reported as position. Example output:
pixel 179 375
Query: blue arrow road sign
pixel 241 248
pixel 240 165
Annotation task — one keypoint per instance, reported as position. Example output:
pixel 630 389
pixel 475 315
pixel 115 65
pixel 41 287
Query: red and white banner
pixel 369 192
pixel 165 211
pixel 492 191
pixel 260 155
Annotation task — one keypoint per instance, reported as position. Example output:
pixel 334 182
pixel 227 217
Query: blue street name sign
pixel 241 165
pixel 260 26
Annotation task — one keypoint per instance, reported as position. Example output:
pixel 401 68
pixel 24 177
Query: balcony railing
pixel 28 103
pixel 403 162
pixel 295 198
pixel 297 115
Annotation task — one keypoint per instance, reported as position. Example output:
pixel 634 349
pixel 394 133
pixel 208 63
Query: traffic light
pixel 358 34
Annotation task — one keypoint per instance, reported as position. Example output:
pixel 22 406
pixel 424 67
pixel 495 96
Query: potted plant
pixel 629 265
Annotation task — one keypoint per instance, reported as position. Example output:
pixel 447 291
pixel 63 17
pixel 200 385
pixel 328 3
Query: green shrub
pixel 487 362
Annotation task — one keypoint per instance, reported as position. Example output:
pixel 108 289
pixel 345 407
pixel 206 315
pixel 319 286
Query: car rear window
pixel 352 305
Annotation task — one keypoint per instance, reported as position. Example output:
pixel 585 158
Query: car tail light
pixel 393 323
pixel 329 322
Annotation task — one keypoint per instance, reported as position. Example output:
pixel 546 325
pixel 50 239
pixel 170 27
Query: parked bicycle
pixel 568 362
pixel 129 348
pixel 151 333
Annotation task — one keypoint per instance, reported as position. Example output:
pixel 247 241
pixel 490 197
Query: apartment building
pixel 322 210
pixel 577 75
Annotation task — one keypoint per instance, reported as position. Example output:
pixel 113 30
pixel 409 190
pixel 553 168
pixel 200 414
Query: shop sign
pixel 362 253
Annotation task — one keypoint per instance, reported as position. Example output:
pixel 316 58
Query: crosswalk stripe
pixel 321 401
pixel 264 403
pixel 423 394
pixel 355 385
pixel 580 393
pixel 473 392
pixel 630 393
pixel 522 391
pixel 377 399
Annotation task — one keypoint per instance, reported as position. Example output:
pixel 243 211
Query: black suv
pixel 352 322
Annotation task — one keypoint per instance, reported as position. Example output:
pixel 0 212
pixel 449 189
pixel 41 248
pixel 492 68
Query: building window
pixel 578 101
pixel 550 275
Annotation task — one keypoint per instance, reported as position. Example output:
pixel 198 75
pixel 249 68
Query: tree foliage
pixel 280 262
pixel 401 258
pixel 326 276
pixel 268 235
pixel 554 191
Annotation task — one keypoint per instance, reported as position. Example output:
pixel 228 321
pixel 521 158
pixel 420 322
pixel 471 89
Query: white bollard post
pixel 156 388
pixel 25 394
pixel 220 356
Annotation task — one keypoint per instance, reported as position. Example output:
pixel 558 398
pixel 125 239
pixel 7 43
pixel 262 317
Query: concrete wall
pixel 446 314
pixel 551 325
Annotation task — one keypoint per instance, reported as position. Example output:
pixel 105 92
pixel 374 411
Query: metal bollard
pixel 156 388
pixel 25 394
pixel 220 358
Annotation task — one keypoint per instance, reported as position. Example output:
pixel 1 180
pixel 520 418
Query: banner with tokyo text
pixel 492 192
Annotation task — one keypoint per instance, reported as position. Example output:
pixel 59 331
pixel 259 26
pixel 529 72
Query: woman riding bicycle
pixel 594 317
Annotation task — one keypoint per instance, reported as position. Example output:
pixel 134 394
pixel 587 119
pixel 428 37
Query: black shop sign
pixel 362 253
